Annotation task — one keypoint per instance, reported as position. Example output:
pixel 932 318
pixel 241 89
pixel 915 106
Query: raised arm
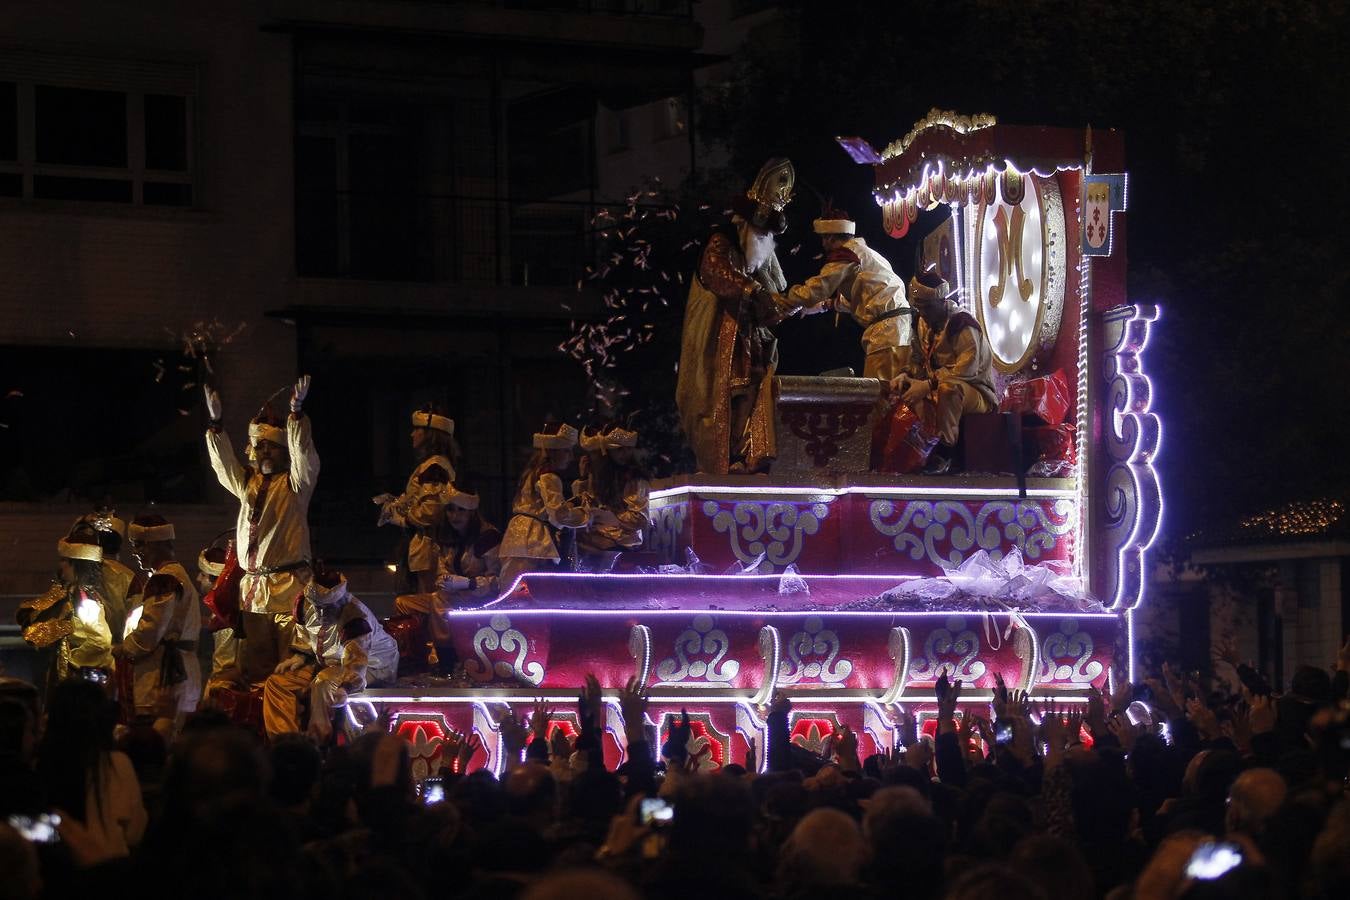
pixel 224 463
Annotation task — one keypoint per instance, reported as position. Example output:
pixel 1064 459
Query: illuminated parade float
pixel 851 591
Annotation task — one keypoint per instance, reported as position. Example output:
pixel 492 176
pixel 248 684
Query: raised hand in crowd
pixel 1125 731
pixel 846 750
pixel 1001 697
pixel 633 708
pixel 540 717
pixel 1095 714
pixel 948 693
pixel 515 735
pixel 1204 719
pixel 908 724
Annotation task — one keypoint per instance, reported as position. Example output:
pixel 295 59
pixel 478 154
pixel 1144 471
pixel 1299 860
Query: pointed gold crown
pixel 773 185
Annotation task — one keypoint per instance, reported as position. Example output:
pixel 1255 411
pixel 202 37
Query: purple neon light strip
pixel 1148 429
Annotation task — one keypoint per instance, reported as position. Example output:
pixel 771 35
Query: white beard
pixel 758 247
pixel 267 467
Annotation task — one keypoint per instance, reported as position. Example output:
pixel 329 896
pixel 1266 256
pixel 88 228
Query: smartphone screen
pixel 1213 859
pixel 433 791
pixel 1004 734
pixel 39 830
pixel 655 812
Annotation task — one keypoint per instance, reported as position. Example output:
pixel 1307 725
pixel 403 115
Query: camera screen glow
pixel 1212 861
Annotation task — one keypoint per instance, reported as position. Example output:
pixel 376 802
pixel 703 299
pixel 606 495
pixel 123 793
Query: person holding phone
pixel 85 778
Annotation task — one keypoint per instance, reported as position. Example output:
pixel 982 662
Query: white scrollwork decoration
pixel 997 526
pixel 1131 499
pixel 1067 655
pixel 954 639
pixel 664 536
pixel 700 640
pixel 498 635
pixel 777 530
pixel 811 655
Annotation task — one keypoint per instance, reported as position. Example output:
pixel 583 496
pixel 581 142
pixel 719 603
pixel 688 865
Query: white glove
pixel 299 393
pixel 213 406
pixel 290 664
pixel 916 392
pixel 448 583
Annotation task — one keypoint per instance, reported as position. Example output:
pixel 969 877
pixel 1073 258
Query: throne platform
pixel 849 591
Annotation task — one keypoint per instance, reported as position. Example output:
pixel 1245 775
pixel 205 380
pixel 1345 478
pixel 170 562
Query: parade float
pixel 851 591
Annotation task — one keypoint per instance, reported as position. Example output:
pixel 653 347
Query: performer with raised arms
pixel 272 531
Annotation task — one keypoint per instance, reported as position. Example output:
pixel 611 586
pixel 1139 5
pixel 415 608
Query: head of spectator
pixel 295 764
pixel 713 817
pixel 1255 796
pixel 825 852
pixel 76 744
pixel 1056 866
pixel 1329 863
pixel 211 772
pixel 591 884
pixel 994 880
pixel 908 843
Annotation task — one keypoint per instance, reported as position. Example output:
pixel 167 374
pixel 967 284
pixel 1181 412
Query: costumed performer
pixel 950 366
pixel 422 504
pixel 161 638
pixel 858 280
pixel 615 491
pixel 117 578
pixel 345 651
pixel 727 352
pixel 272 531
pixel 226 674
pixel 541 509
pixel 467 573
pixel 70 615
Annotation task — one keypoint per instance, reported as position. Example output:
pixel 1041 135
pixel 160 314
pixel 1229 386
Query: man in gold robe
pixel 728 354
pixel 949 371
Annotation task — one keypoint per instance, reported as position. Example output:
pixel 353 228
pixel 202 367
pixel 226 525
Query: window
pixel 65 431
pixel 108 131
pixel 359 210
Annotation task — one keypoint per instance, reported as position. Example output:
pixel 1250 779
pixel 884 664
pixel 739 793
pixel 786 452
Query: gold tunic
pixel 169 614
pixel 272 530
pixel 421 508
pixel 727 359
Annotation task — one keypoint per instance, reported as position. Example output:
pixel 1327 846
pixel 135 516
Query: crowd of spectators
pixel 1181 786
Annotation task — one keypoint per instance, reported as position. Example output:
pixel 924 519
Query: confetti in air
pixel 637 281
pixel 199 346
